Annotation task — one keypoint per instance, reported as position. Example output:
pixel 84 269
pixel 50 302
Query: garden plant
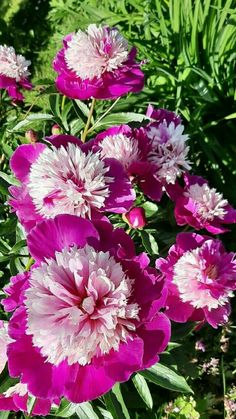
pixel 118 209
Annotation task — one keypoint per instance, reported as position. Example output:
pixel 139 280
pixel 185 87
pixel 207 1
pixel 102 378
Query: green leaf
pixel 115 403
pixel 9 179
pixel 165 377
pixel 18 246
pixel 105 414
pixel 120 118
pixel 143 390
pixel 149 242
pixel 66 409
pixel 32 118
pixel 150 208
pixel 85 411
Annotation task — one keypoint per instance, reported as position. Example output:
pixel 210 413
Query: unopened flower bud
pixel 56 129
pixel 31 136
pixel 135 217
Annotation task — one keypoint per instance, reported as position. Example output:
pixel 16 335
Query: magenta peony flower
pixel 129 146
pixel 4 340
pixel 163 115
pixel 166 157
pixel 135 217
pixel 13 72
pixel 90 314
pixel 201 206
pixel 16 399
pixel 66 178
pixel 97 63
pixel 201 277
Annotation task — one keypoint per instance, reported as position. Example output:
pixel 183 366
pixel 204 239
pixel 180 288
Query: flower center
pixel 79 306
pixel 210 204
pixel 198 278
pixel 169 150
pixel 120 147
pixel 68 181
pixel 13 65
pixel 100 49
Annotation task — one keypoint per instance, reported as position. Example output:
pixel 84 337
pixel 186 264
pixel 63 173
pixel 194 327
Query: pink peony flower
pixel 16 399
pixel 76 181
pixel 163 115
pixel 13 72
pixel 201 278
pixel 201 206
pixel 4 340
pixel 90 315
pixel 135 217
pixel 97 63
pixel 130 147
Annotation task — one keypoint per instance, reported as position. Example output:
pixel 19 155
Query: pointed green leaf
pixel 165 377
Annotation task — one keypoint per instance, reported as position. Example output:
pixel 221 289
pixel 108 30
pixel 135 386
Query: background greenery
pixel 189 50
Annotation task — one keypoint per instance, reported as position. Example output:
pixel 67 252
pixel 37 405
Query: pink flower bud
pixel 135 217
pixel 56 129
pixel 31 136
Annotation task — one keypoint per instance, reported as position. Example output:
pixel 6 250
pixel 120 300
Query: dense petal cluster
pixel 76 181
pixel 200 206
pixel 90 312
pixel 201 279
pixel 13 72
pixel 97 63
pixel 16 399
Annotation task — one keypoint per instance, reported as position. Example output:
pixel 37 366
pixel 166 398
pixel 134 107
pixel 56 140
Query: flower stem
pixel 29 263
pixel 223 383
pixel 86 128
pixel 63 102
pixel 105 113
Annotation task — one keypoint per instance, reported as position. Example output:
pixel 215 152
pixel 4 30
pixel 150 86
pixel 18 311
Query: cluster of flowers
pixel 90 312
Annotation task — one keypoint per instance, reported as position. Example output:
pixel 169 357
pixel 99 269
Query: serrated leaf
pixel 143 390
pixel 149 243
pixel 165 377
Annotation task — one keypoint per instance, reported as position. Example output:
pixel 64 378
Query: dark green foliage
pixel 189 50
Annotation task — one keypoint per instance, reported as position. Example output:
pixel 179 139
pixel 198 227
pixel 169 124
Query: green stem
pixel 223 382
pixel 31 407
pixel 86 128
pixel 101 117
pixel 63 102
pixel 29 264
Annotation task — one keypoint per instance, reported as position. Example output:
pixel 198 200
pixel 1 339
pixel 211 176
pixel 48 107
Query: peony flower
pixel 66 178
pixel 168 151
pixel 201 278
pixel 90 314
pixel 97 63
pixel 135 217
pixel 130 147
pixel 4 340
pixel 201 206
pixel 13 72
pixel 16 399
pixel 163 115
